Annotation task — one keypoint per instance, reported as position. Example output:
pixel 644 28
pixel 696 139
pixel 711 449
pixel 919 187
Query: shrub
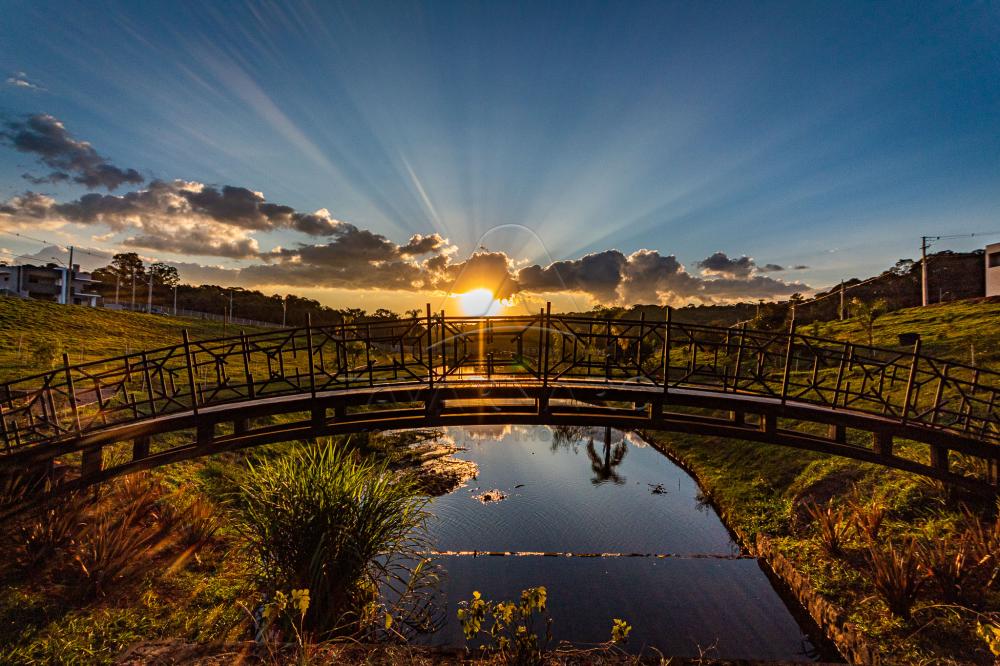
pixel 513 630
pixel 111 547
pixel 896 575
pixel 868 519
pixel 344 528
pixel 832 524
pixel 947 563
pixel 51 529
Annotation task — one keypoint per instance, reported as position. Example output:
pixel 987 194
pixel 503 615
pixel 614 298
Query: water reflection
pixel 594 490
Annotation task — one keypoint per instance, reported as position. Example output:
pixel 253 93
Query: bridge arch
pixel 775 387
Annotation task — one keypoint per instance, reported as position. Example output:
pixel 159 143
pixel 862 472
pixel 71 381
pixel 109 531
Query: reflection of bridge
pixel 113 416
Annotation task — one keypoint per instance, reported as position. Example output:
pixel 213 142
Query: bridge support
pixel 738 418
pixel 882 443
pixel 838 434
pixel 205 433
pixel 241 426
pixel 993 473
pixel 140 448
pixel 92 462
pixel 768 423
pixel 939 457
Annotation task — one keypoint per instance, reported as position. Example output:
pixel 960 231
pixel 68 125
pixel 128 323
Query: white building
pixel 993 269
pixel 48 283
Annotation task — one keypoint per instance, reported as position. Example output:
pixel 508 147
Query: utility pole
pixel 924 289
pixel 132 307
pixel 68 298
pixel 284 310
pixel 230 306
pixel 175 300
pixel 149 295
pixel 926 242
pixel 118 279
pixel 842 300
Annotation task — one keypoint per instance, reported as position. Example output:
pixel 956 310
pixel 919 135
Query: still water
pixel 573 491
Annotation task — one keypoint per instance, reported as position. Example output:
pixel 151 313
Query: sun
pixel 479 303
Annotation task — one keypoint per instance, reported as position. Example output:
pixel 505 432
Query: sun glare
pixel 479 302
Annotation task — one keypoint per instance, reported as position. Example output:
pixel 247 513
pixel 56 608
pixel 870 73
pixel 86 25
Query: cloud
pixel 21 80
pixel 720 264
pixel 46 137
pixel 597 274
pixel 193 218
pixel 196 219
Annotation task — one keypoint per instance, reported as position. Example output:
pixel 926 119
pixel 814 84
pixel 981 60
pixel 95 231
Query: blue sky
pixel 830 135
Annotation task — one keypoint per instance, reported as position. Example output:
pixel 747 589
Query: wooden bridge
pixel 897 408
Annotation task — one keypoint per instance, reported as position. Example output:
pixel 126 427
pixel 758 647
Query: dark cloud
pixel 771 268
pixel 46 137
pixel 597 274
pixel 800 267
pixel 720 264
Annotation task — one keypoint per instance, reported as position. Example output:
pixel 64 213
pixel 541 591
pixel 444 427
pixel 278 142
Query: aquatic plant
pixel 513 631
pixel 349 530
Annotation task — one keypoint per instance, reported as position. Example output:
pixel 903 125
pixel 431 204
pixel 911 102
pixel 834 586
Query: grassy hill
pixel 27 328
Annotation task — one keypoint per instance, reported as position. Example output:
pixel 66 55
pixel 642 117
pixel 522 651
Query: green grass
pixel 85 333
pixel 763 489
pixel 759 488
pixel 951 331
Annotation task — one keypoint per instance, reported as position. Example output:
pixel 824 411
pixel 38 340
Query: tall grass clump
pixel 832 524
pixel 345 528
pixel 895 573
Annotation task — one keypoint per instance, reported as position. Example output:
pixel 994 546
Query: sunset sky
pixel 384 154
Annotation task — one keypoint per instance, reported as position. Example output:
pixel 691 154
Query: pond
pixel 678 578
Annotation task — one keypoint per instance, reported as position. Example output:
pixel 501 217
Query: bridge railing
pixel 434 350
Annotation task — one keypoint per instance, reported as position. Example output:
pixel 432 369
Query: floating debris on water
pixel 657 488
pixel 488 496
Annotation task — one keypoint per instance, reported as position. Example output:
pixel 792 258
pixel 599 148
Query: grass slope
pixel 762 488
pixel 85 333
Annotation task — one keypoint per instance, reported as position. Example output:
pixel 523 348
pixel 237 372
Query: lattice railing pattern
pixel 902 385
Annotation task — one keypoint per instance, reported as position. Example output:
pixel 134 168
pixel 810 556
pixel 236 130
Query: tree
pixel 127 265
pixel 868 312
pixel 165 275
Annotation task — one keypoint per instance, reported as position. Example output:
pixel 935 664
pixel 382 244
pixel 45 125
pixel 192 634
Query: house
pixel 48 283
pixel 993 269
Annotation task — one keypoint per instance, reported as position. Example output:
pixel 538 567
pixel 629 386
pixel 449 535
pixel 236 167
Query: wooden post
pixel 666 351
pixel 368 354
pixel 882 443
pixel 92 462
pixel 545 356
pixel 739 357
pixel 939 457
pixel 838 433
pixel 72 394
pixel 149 384
pixel 190 371
pixel 3 429
pixel 939 394
pixel 910 380
pixel 309 341
pixel 430 348
pixel 245 343
pixel 788 360
pixel 140 448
